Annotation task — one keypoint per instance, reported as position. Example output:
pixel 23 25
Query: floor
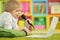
pixel 53 37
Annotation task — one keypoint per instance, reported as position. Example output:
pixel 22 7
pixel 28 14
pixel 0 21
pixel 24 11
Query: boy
pixel 9 18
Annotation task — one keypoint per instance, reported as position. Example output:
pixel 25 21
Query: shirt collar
pixel 14 19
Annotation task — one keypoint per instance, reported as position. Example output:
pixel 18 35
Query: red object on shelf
pixel 35 8
pixel 26 7
pixel 40 27
pixel 49 8
pixel 30 28
pixel 41 9
pixel 53 0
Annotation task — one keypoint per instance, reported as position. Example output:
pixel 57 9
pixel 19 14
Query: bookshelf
pixel 39 7
pixel 39 14
pixel 39 22
pixel 54 7
pixel 54 10
pixel 57 29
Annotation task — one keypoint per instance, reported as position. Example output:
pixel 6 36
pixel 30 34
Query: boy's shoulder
pixel 6 14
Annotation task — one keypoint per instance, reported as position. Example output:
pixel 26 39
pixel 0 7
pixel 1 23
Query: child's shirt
pixel 7 21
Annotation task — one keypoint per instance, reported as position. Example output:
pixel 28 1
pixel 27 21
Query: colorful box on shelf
pixel 58 24
pixel 26 6
pixel 53 0
pixel 39 22
pixel 40 27
pixel 54 7
pixel 47 23
pixel 21 23
pixel 38 0
pixel 24 0
pixel 39 19
pixel 39 7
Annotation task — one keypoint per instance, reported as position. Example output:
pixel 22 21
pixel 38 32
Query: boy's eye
pixel 18 10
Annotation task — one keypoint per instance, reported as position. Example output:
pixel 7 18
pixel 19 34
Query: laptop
pixel 50 31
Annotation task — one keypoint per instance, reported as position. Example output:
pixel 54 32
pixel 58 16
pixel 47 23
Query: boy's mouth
pixel 17 15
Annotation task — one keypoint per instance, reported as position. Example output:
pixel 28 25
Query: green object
pixel 39 21
pixel 5 1
pixel 11 33
pixel 36 20
pixel 1 7
pixel 38 6
pixel 33 10
pixel 36 23
pixel 42 21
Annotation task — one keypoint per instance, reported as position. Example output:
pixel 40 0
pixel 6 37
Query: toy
pixel 25 18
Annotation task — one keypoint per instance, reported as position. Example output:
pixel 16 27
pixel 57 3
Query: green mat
pixel 11 33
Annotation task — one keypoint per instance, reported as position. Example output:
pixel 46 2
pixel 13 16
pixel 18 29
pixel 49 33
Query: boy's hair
pixel 11 5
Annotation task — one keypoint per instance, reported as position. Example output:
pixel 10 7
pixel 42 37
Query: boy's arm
pixel 7 23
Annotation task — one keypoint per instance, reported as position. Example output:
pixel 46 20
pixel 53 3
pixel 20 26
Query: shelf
pixel 58 24
pixel 53 0
pixel 39 7
pixel 24 0
pixel 21 23
pixel 39 23
pixel 26 7
pixel 38 0
pixel 54 8
pixel 39 14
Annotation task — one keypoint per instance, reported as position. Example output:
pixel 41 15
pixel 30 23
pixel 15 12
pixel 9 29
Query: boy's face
pixel 17 12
